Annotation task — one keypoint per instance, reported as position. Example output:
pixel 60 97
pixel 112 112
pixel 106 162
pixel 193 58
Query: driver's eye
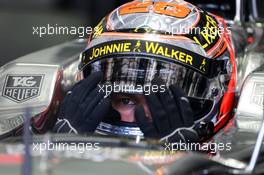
pixel 127 101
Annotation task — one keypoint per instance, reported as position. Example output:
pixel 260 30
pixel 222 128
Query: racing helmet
pixel 170 39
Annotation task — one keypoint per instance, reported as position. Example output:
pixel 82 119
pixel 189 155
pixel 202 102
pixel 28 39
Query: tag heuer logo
pixel 20 88
pixel 258 95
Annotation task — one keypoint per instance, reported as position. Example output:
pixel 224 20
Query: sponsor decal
pixel 152 49
pixel 20 88
pixel 257 96
pixel 143 47
pixel 206 32
pixel 209 36
pixel 99 29
pixel 11 123
pixel 163 8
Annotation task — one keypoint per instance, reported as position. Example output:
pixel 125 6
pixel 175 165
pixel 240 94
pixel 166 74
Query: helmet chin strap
pixel 118 130
pixel 112 125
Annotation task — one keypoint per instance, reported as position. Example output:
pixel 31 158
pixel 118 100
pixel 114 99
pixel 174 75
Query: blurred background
pixel 18 17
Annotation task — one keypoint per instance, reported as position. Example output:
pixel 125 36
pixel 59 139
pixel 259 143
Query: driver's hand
pixel 84 107
pixel 172 117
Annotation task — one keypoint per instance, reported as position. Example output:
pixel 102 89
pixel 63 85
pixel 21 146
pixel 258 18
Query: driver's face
pixel 125 104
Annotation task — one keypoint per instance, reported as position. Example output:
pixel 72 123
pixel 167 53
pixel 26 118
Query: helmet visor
pixel 134 75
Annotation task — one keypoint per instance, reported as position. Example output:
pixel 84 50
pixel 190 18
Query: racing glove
pixel 83 108
pixel 172 117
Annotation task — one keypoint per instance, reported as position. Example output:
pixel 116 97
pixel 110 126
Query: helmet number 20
pixel 175 10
